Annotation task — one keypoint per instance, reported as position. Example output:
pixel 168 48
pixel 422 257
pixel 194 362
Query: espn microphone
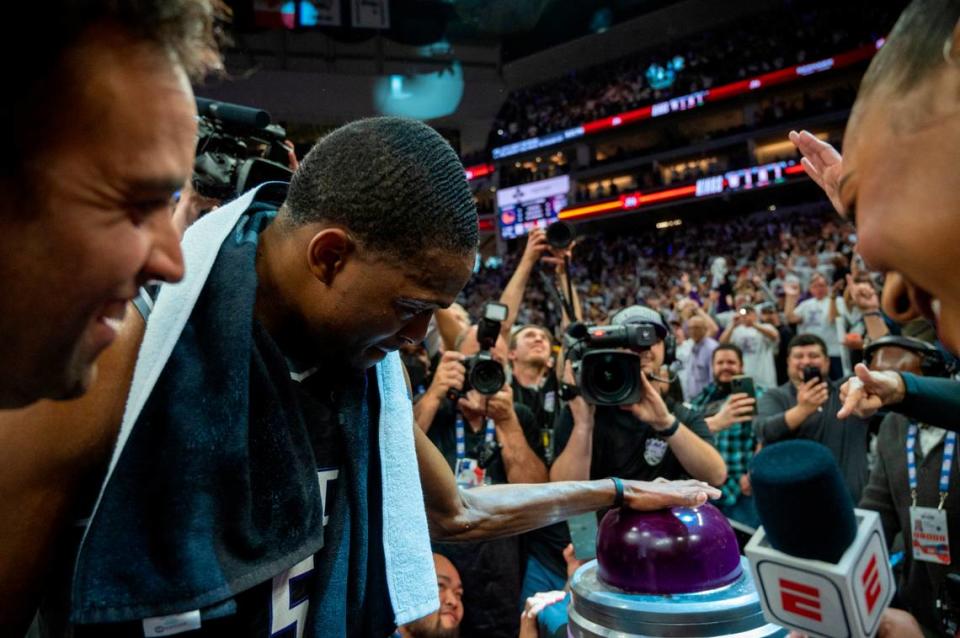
pixel 820 565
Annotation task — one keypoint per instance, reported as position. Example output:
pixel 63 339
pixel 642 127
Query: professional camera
pixel 605 374
pixel 484 373
pixel 237 148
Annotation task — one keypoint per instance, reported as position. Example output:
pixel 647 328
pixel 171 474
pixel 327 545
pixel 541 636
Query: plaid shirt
pixel 736 444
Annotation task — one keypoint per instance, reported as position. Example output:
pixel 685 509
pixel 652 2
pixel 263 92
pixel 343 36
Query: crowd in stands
pixel 612 272
pixel 785 35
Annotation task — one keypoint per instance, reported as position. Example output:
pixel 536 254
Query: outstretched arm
pixel 496 511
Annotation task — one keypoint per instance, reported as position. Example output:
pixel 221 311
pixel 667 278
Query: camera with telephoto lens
pixel 237 148
pixel 605 374
pixel 484 373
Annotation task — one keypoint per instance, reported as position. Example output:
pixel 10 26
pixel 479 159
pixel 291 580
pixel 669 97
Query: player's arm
pixel 495 511
pixel 47 451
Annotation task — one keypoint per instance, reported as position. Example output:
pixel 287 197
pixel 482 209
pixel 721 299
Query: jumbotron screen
pixel 535 205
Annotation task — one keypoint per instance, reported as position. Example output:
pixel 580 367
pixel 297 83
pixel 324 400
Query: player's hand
pixel 661 494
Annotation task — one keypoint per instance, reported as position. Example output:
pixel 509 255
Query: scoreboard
pixel 534 205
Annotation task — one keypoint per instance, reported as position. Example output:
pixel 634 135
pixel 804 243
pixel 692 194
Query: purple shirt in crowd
pixel 699 369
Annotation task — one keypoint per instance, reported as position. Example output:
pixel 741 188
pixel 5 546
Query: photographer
pixel 486 440
pixel 534 383
pixel 899 495
pixel 806 407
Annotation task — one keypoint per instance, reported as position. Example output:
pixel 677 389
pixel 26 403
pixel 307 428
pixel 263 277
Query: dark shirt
pixel 628 448
pixel 847 439
pixel 443 434
pixel 542 401
pixel 491 570
pixel 888 493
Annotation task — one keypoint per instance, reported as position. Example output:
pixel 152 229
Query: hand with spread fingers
pixel 822 163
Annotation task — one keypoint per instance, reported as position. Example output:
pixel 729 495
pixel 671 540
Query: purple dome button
pixel 674 551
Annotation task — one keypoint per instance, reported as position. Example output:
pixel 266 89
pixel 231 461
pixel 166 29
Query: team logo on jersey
pixel 654 451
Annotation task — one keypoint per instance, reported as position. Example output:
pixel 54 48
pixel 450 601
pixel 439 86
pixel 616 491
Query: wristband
pixel 618 496
pixel 873 313
pixel 670 431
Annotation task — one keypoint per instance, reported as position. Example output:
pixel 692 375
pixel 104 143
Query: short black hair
pixel 188 30
pixel 807 339
pixel 732 347
pixel 914 47
pixel 394 183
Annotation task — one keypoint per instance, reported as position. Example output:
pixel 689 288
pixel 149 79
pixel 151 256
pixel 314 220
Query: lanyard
pixel 949 445
pixel 488 436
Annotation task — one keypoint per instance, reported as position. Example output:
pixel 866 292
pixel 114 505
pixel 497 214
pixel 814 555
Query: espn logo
pixel 871 584
pixel 802 600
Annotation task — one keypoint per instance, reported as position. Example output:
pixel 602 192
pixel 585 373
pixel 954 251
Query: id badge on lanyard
pixel 930 541
pixel 468 472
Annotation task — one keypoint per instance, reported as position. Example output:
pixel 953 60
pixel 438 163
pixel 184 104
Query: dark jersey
pixel 281 606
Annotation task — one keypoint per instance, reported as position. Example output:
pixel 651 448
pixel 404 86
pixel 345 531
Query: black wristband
pixel 670 431
pixel 618 495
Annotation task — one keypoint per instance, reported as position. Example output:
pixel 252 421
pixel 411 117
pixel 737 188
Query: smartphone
pixel 811 372
pixel 743 383
pixel 583 535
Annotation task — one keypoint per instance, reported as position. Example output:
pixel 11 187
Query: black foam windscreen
pixel 802 500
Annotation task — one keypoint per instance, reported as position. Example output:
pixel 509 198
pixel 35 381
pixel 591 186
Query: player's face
pixel 376 303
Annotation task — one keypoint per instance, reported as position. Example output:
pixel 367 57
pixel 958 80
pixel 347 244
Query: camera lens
pixel 487 377
pixel 559 234
pixel 611 378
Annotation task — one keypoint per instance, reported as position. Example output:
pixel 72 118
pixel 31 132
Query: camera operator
pixel 486 440
pixel 914 482
pixel 101 132
pixel 646 439
pixel 806 407
pixel 729 416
